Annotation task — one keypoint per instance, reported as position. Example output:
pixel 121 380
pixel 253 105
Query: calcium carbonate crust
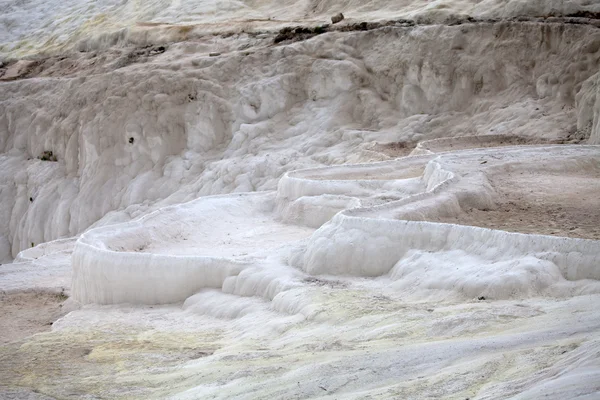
pixel 368 241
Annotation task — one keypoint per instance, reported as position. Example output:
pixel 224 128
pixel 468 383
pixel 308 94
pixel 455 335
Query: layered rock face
pixel 184 124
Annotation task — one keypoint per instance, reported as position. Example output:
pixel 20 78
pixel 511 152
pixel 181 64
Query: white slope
pixel 203 125
pixel 33 26
pixel 335 281
pixel 46 267
pixel 355 341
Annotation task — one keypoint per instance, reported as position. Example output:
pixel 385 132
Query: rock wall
pixel 183 124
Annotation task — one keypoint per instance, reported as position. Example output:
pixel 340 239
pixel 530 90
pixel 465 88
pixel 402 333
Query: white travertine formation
pixel 407 212
pixel 33 26
pixel 186 125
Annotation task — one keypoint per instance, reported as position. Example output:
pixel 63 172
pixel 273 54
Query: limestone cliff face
pixel 182 124
pixel 588 109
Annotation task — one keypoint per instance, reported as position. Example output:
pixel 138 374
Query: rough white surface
pixel 32 26
pixel 204 125
pixel 588 101
pixel 362 341
pixel 169 255
pixel 369 241
pixel 336 281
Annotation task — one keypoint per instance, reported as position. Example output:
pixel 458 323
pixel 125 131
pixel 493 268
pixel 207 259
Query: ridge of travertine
pixel 160 258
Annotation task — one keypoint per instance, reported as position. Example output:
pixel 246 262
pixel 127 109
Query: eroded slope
pixel 186 124
pixel 417 309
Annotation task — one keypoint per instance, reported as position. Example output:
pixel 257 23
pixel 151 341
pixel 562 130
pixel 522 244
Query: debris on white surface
pixel 16 70
pixel 337 18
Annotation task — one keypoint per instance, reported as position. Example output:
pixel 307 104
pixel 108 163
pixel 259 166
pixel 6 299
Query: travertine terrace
pixel 241 201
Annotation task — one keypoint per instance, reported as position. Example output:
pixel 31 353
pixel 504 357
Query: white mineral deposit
pixel 241 200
